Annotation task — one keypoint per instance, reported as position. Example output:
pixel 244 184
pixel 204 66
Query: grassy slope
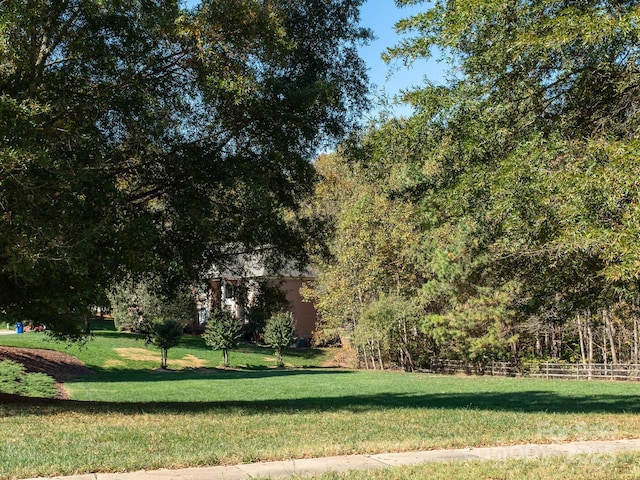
pixel 130 416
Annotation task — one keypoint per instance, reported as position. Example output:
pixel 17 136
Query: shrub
pixel 164 334
pixel 38 385
pixel 222 333
pixel 14 380
pixel 279 333
pixel 269 300
pixel 10 374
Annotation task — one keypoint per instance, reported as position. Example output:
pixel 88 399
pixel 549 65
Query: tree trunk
pixel 380 355
pixel 402 326
pixel 554 343
pixel 372 354
pixel 163 361
pixel 225 357
pixel 364 356
pixel 589 341
pixel 581 335
pixel 408 360
pixel 606 316
pixel 514 352
pixel 605 353
pixel 410 367
pixel 636 333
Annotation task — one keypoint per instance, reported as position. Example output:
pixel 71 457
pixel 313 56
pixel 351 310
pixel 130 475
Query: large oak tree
pixel 142 135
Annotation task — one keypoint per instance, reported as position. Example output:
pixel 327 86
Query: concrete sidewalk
pixel 316 466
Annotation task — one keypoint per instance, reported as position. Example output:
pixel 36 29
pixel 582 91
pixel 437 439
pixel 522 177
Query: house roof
pixel 257 265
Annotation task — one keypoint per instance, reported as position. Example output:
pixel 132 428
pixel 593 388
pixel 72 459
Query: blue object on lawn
pixel 19 327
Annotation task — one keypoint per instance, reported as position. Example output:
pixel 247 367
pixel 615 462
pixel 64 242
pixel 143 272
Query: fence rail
pixel 580 371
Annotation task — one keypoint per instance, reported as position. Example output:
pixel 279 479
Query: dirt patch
pixel 61 366
pixel 142 355
pixel 137 354
pixel 188 361
pixel 113 363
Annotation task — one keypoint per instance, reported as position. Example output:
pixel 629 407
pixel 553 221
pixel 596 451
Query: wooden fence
pixel 579 371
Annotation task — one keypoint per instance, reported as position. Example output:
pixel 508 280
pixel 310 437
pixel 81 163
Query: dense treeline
pixel 501 220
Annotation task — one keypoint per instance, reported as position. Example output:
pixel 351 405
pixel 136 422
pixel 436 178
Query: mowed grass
pixel 130 415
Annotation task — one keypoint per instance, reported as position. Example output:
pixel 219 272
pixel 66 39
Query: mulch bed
pixel 60 366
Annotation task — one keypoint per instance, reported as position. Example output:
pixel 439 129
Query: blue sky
pixel 381 16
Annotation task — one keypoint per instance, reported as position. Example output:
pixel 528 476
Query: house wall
pixel 304 313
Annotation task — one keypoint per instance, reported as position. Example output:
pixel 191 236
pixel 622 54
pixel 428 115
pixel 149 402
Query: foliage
pixel 164 334
pixel 270 299
pixel 223 331
pixel 135 301
pixel 385 333
pixel 125 301
pixel 15 380
pixel 522 149
pixel 152 136
pixel 370 248
pixel 10 373
pixel 519 177
pixel 38 385
pixel 279 333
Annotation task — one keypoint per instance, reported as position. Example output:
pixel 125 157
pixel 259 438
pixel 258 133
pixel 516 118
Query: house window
pixel 229 291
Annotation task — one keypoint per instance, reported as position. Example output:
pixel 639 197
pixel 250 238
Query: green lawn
pixel 130 415
pixel 3 326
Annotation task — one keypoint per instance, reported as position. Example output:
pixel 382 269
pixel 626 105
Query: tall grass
pixel 130 416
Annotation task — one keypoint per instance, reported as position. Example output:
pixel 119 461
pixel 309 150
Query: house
pixel 238 287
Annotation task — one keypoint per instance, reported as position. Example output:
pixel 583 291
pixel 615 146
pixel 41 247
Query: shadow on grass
pixel 248 372
pixel 102 324
pixel 523 402
pixel 116 334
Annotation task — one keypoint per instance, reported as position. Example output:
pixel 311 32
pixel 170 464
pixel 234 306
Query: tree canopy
pixel 144 135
